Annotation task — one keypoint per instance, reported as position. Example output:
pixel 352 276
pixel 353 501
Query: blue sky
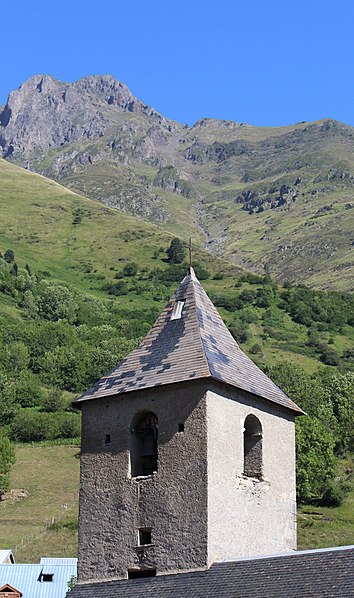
pixel 265 62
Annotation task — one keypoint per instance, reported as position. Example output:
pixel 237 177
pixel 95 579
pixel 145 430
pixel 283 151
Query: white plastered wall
pixel 249 517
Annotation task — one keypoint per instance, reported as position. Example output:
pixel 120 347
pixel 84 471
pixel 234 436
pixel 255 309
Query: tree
pixel 315 460
pixel 7 459
pixel 56 302
pixel 27 390
pixel 315 432
pixel 176 251
pixel 9 256
pixel 8 406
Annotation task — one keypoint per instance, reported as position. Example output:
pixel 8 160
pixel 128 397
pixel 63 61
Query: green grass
pixel 51 477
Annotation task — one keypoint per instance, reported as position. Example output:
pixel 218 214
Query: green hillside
pixel 277 200
pixel 80 284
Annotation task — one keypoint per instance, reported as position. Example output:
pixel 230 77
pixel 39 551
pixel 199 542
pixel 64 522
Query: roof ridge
pixel 195 280
pixel 283 554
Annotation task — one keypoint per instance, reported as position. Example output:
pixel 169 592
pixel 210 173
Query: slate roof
pixel 198 345
pixel 325 573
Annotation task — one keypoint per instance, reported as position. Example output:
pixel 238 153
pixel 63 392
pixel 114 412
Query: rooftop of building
pixel 327 573
pixel 6 556
pixel 189 341
pixel 46 579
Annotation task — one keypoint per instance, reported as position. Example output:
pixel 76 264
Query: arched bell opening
pixel 143 444
pixel 252 447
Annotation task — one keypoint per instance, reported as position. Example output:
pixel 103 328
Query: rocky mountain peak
pixel 44 113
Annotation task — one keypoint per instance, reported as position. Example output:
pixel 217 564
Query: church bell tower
pixel 188 452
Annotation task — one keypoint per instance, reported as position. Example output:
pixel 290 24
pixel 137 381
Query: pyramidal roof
pixel 188 341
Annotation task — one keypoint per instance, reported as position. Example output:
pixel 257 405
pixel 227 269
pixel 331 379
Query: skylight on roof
pixel 177 310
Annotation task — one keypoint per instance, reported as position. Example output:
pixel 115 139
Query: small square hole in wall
pixel 138 573
pixel 107 439
pixel 144 536
pixel 47 576
pixel 181 427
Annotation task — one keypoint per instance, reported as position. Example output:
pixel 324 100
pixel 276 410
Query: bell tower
pixel 188 452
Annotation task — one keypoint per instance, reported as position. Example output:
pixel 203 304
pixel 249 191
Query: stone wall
pixel 172 502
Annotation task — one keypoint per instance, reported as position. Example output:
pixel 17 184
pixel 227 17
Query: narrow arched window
pixel 252 447
pixel 143 444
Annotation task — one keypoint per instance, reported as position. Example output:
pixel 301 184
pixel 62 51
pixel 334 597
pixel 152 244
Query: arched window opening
pixel 252 447
pixel 143 444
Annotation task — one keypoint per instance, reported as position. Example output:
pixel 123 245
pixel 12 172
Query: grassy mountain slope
pixel 38 223
pixel 70 239
pixel 276 200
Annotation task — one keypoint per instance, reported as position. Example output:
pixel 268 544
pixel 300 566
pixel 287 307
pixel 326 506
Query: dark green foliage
pixel 9 256
pixel 32 426
pixel 130 269
pixel 333 495
pixel 308 307
pixel 329 356
pixel 255 349
pixel 14 269
pixel 7 459
pixel 53 401
pixel 27 391
pixel 72 525
pixel 201 272
pixel 118 288
pixel 266 296
pixel 56 302
pixel 176 251
pixel 174 273
pixel 239 331
pixel 77 216
pixel 8 405
pixel 326 431
pixel 315 460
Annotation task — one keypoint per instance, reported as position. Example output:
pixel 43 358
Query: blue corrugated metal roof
pixel 27 579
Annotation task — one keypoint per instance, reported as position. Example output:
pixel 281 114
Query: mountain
pixel 278 200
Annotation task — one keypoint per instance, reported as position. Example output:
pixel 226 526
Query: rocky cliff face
pixel 271 199
pixel 45 113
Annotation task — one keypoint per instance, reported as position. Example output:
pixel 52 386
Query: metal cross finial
pixel 190 251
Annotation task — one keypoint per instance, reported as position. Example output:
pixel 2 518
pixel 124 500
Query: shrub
pixel 255 349
pixel 69 425
pixel 33 426
pixel 53 401
pixel 176 251
pixel 239 331
pixel 30 426
pixel 130 269
pixel 332 496
pixel 201 272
